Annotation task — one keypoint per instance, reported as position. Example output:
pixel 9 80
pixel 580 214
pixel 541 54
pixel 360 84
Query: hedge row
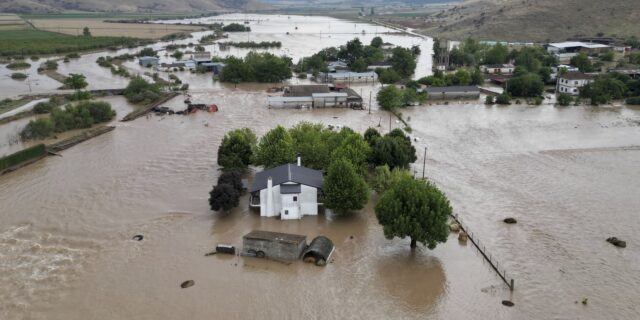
pixel 22 156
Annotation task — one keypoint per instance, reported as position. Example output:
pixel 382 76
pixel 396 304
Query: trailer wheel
pixel 260 254
pixel 309 259
pixel 321 262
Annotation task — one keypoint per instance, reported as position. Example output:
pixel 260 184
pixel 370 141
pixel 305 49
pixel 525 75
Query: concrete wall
pixel 275 249
pixel 307 199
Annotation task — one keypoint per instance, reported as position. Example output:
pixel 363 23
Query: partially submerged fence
pixel 502 273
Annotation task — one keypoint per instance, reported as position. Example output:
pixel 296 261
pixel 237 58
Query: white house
pixel 498 68
pixel 564 51
pixel 348 77
pixel 290 191
pixel 571 82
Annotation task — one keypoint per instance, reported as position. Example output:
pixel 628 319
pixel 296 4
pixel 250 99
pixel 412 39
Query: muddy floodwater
pixel 570 176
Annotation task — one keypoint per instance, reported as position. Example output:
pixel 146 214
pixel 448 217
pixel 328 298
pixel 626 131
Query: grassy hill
pixel 535 20
pixel 49 6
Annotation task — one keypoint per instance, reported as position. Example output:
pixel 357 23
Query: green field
pixel 112 15
pixel 28 42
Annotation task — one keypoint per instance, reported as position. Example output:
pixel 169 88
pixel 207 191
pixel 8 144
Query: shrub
pixel 37 129
pixel 73 55
pixel 79 95
pixel 537 101
pixel 43 107
pixel 18 76
pixel 504 99
pixel 18 65
pixel 489 100
pixel 21 156
pixel 634 101
pixel 140 90
pixel 564 99
pixel 50 65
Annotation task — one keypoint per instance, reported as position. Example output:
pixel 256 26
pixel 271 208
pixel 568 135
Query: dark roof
pixel 287 173
pixel 275 236
pixel 574 75
pixel 306 90
pixel 452 89
pixel 320 246
pixel 290 188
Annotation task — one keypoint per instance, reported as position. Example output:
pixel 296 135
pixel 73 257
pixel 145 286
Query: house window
pixel 575 82
pixel 286 212
pixel 295 198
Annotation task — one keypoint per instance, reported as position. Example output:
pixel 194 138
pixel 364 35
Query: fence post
pixel 511 287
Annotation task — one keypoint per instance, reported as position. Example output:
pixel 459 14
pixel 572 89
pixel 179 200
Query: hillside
pixel 47 6
pixel 535 20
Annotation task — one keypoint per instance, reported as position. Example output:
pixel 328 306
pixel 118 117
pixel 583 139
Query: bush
pixel 80 95
pixel 489 100
pixel 43 107
pixel 223 197
pixel 21 156
pixel 18 65
pixel 37 129
pixel 18 76
pixel 235 27
pixel 564 99
pixel 140 90
pixel 50 65
pixel 232 178
pixel 537 101
pixel 73 55
pixel 634 101
pixel 504 99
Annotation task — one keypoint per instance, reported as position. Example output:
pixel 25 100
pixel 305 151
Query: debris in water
pixel 507 303
pixel 462 236
pixel 210 253
pixel 510 220
pixel 187 284
pixel 138 237
pixel 617 242
pixel 584 301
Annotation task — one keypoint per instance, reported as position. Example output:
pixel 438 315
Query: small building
pixel 335 66
pixel 305 90
pixel 289 191
pixel 330 99
pixel 215 67
pixel 555 70
pixel 571 82
pixel 453 92
pixel 498 68
pixel 633 72
pixel 564 51
pixel 349 77
pixel 148 61
pixel 289 102
pixel 319 251
pixel 275 245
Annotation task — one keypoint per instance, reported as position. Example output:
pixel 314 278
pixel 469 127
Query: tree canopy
pixel 223 197
pixel 275 148
pixel 236 150
pixel 390 98
pixel 403 61
pixel 256 67
pixel 526 85
pixel 76 81
pixel 416 209
pixel 394 150
pixel 344 189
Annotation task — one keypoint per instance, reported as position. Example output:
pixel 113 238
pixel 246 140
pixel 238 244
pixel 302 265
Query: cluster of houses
pixel 196 61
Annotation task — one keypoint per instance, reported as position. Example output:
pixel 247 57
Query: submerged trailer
pixel 274 245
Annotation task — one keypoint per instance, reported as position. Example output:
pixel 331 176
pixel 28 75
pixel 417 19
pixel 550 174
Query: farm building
pixel 274 245
pixel 564 51
pixel 290 191
pixel 148 61
pixel 453 92
pixel 348 77
pixel 498 68
pixel 316 96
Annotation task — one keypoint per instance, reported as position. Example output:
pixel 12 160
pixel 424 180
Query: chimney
pixel 299 160
pixel 270 212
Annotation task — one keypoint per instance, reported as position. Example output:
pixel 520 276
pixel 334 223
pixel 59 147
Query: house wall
pixel 308 200
pixel 571 87
pixel 274 248
pixel 323 102
pixel 277 202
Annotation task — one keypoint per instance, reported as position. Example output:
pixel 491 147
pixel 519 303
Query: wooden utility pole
pixel 369 102
pixel 424 162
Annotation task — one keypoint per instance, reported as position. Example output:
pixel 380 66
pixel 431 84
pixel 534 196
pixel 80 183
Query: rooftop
pixel 452 89
pixel 275 236
pixel 329 95
pixel 287 173
pixel 573 75
pixel 574 44
pixel 306 90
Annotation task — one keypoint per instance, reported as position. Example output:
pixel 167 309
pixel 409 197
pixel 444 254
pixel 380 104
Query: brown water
pixel 569 175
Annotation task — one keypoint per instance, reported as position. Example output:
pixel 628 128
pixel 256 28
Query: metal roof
pixel 287 173
pixel 290 99
pixel 452 89
pixel 329 95
pixel 275 236
pixel 574 75
pixel 290 188
pixel 573 44
pixel 305 90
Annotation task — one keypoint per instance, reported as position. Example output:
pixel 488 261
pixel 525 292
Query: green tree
pixel 497 54
pixel 140 90
pixel 564 99
pixel 376 42
pixel 232 178
pixel 147 52
pixel 351 51
pixel 178 54
pixel 86 32
pixel 489 100
pixel 356 150
pixel 37 129
pixel 275 148
pixel 582 62
pixel 385 178
pixel 503 99
pixel 76 81
pixel 310 141
pixel 371 135
pixel 359 65
pixel 388 76
pixel 414 209
pixel 394 150
pixel 477 78
pixel 224 197
pixel 236 150
pixel 528 85
pixel 403 61
pixel 344 189
pixel 390 97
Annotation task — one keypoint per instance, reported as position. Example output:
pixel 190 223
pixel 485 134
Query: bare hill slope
pixel 539 20
pixel 44 6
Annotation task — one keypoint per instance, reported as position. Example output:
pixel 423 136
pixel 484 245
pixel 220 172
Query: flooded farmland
pixel 570 176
